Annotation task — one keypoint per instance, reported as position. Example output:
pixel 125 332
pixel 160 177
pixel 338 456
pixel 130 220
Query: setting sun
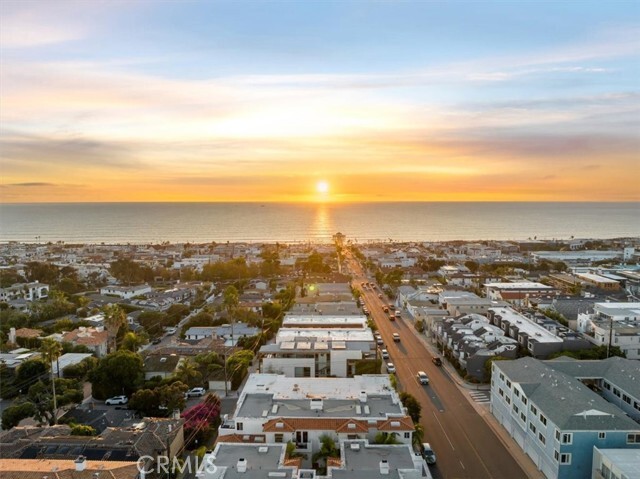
pixel 322 187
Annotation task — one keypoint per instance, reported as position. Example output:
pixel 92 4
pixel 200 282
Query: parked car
pixel 195 392
pixel 436 360
pixel 379 341
pixel 396 337
pixel 391 368
pixel 156 341
pixel 171 331
pixel 117 400
pixel 427 453
pixel 398 314
pixel 385 354
pixel 422 377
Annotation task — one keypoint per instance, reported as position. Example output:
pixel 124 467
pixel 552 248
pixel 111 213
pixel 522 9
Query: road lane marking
pixel 445 432
pixel 462 465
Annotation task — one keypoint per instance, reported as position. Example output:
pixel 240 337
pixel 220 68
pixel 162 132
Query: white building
pixel 278 409
pixel 126 292
pixel 27 291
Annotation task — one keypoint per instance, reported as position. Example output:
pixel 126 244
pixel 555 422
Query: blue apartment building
pixel 558 410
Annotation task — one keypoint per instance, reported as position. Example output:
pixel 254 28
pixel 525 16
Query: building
pixel 575 257
pixel 517 293
pixel 470 304
pixel 67 359
pixel 599 281
pixel 613 312
pixel 622 334
pixel 531 337
pixel 329 308
pixel 616 463
pixel 319 346
pixel 196 333
pixel 161 365
pixel 126 292
pixel 278 409
pixel 558 411
pixel 27 291
pixel 79 468
pixel 96 339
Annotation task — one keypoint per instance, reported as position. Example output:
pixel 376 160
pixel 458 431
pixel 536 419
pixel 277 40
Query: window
pixel 567 438
pixel 516 392
pixel 616 392
pixel 626 399
pixel 557 435
pixel 501 377
pixel 524 400
pixel 239 426
pixel 534 410
pixel 565 458
pixel 532 427
pixel 602 435
pixel 636 405
pixel 633 438
pixel 501 392
pixel 508 401
pixel 523 418
pixel 279 437
pixel 543 419
pixel 508 383
pixel 515 409
pixel 541 438
pixel 607 385
pixel 556 455
pixel 407 435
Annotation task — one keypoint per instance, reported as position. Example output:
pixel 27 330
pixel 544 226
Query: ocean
pixel 271 222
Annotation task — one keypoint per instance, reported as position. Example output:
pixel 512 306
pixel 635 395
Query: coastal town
pixel 501 359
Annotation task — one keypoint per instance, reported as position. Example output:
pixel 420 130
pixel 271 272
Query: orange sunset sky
pixel 383 101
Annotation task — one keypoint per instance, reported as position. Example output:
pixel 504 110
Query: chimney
pixel 81 463
pixel 12 335
pixel 363 396
pixel 241 466
pixel 384 467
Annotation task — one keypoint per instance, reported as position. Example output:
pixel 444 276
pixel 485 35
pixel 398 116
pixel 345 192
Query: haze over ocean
pixel 271 222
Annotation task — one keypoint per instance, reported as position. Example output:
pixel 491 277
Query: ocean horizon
pixel 202 222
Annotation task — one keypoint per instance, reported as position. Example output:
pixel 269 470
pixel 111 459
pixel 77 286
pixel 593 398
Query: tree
pixel 385 438
pixel 82 430
pixel 47 273
pixel 418 435
pixel 120 372
pixel 200 418
pixel 472 266
pixel 30 371
pixel 12 415
pixel 159 401
pixel 328 449
pixel 488 366
pixel 114 319
pixel 188 373
pixel 238 365
pixel 414 409
pixel 51 351
pixel 132 341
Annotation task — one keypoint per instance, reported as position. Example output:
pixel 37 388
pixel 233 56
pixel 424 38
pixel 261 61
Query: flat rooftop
pixel 518 285
pixel 527 326
pixel 627 461
pixel 323 321
pixel 340 397
pixel 261 460
pixel 297 334
pixel 362 461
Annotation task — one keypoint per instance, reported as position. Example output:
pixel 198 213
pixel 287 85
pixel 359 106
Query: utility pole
pixel 610 334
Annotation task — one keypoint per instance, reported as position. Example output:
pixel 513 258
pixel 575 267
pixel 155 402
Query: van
pixel 422 377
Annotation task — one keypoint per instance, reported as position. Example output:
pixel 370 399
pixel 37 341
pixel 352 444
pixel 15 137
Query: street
pixel 464 444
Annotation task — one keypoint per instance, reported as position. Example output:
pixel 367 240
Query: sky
pixel 329 101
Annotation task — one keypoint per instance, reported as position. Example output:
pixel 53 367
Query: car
pixel 156 341
pixel 380 295
pixel 436 360
pixel 392 317
pixel 396 337
pixel 427 453
pixel 398 315
pixel 391 368
pixel 171 331
pixel 117 400
pixel 422 377
pixel 379 341
pixel 195 392
pixel 385 354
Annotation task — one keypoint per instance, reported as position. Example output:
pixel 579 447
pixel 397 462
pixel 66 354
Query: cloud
pixel 30 184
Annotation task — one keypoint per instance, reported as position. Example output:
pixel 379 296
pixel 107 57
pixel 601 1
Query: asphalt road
pixel 464 444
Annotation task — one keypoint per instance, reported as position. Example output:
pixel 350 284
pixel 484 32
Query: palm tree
pixel 51 350
pixel 385 438
pixel 418 435
pixel 114 319
pixel 188 373
pixel 327 449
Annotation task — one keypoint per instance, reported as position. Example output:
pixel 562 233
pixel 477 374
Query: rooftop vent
pixel 241 466
pixel 316 404
pixel 363 396
pixel 384 467
pixel 263 450
pixel 81 463
pixel 279 425
pixel 354 446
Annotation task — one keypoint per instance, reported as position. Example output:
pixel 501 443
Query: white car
pixel 396 337
pixel 422 377
pixel 195 392
pixel 385 354
pixel 117 400
pixel 171 331
pixel 391 369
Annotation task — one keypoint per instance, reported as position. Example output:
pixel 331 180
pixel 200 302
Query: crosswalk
pixel 481 396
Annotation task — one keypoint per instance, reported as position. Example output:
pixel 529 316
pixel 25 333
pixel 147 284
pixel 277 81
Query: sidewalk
pixel 484 411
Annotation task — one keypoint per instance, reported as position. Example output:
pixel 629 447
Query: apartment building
pixel 558 411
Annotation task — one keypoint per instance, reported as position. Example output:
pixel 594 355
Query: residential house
pixel 126 292
pixel 27 291
pixel 161 365
pixel 96 339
